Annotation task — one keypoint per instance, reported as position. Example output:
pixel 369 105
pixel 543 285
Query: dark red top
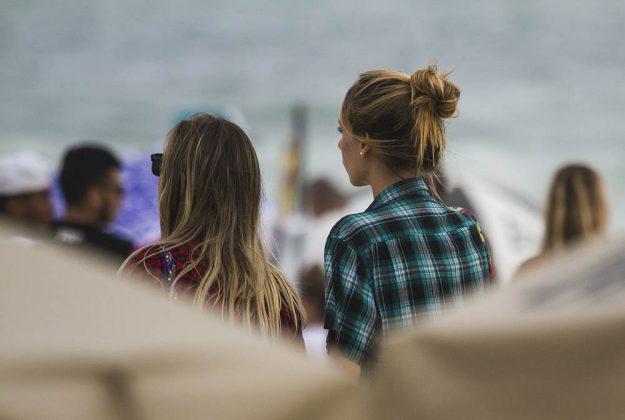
pixel 159 266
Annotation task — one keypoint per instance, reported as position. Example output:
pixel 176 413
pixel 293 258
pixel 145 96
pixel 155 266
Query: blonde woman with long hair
pixel 577 212
pixel 211 253
pixel 408 254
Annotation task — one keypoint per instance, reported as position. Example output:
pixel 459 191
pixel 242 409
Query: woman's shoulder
pixel 157 260
pixel 147 251
pixel 456 219
pixel 147 258
pixel 351 225
pixel 155 252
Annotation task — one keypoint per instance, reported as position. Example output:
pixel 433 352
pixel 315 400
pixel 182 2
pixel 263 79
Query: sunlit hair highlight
pixel 402 117
pixel 577 208
pixel 209 198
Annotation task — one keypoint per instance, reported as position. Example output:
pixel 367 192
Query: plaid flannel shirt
pixel 406 256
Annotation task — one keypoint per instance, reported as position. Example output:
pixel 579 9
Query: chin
pixel 357 182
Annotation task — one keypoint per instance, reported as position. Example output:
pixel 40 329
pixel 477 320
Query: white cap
pixel 23 173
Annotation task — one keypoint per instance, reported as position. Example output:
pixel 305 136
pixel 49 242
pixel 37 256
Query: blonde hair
pixel 401 116
pixel 577 208
pixel 209 195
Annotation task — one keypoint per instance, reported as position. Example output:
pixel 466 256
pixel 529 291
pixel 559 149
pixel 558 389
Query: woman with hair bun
pixel 211 253
pixel 408 254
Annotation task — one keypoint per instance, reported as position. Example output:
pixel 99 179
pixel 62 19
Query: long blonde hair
pixel 209 196
pixel 577 208
pixel 401 116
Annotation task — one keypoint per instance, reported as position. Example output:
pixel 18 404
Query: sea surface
pixel 543 82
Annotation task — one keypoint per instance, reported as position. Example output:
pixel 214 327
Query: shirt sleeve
pixel 350 316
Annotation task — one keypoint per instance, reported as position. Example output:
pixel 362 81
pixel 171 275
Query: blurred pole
pixel 290 231
pixel 291 193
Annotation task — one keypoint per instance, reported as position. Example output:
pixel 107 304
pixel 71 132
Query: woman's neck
pixel 380 178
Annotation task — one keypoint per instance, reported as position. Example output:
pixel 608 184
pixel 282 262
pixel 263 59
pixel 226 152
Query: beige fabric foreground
pixel 76 343
pixel 551 346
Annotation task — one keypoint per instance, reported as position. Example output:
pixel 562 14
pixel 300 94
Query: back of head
pixel 85 166
pixel 323 196
pixel 209 197
pixel 209 168
pixel 577 209
pixel 401 116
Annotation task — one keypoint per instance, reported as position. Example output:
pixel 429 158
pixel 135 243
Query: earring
pixel 361 155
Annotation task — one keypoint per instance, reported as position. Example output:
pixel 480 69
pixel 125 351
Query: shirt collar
pixel 415 187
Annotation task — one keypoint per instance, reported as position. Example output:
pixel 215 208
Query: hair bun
pixel 430 89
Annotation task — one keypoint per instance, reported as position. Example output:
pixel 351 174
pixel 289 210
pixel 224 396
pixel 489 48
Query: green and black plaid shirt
pixel 406 256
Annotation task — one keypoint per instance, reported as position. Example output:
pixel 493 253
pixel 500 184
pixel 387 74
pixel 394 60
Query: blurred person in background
pixel 211 253
pixel 25 190
pixel 323 196
pixel 325 204
pixel 91 185
pixel 408 254
pixel 312 290
pixel 577 212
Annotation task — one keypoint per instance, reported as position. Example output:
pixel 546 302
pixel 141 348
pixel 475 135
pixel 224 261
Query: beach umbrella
pixel 78 343
pixel 550 346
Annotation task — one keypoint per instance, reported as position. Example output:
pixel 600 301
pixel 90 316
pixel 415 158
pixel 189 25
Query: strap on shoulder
pixel 170 266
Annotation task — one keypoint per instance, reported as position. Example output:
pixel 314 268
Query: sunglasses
pixel 157 160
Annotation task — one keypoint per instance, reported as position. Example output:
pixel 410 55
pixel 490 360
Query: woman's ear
pixel 364 149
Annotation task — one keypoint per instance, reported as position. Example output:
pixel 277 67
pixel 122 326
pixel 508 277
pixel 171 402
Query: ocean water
pixel 543 82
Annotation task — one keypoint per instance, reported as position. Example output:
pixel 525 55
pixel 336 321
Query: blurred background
pixel 543 82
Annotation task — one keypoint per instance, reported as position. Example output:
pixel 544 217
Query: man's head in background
pixel 24 189
pixel 322 196
pixel 90 181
